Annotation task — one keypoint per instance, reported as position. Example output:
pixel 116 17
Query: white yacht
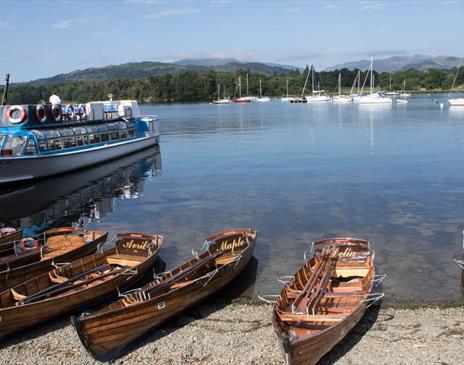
pixel 373 97
pixel 317 95
pixel 341 98
pixel 224 100
pixel 262 99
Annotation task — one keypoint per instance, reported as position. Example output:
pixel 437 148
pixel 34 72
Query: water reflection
pixel 83 196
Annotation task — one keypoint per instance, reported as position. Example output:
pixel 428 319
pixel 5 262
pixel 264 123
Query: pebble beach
pixel 241 333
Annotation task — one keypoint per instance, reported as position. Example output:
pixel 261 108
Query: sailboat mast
pixel 260 90
pixel 287 87
pixel 359 81
pixel 312 78
pixel 339 84
pixel 240 86
pixel 219 91
pixel 390 82
pixel 306 81
pixel 247 84
pixel 372 78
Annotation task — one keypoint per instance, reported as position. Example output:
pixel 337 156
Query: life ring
pixel 69 112
pixel 80 111
pixel 16 109
pixel 41 113
pixel 56 112
pixel 28 244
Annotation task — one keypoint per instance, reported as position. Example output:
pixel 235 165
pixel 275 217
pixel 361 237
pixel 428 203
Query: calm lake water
pixel 295 173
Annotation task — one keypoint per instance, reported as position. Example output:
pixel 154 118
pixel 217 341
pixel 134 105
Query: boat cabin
pixel 27 130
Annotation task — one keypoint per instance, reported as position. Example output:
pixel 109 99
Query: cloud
pixel 293 10
pixel 67 23
pixel 376 52
pixel 173 12
pixel 371 6
pixel 100 34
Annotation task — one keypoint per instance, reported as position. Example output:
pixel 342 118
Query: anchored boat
pixel 60 245
pixel 325 299
pixel 107 332
pixel 77 284
pixel 44 140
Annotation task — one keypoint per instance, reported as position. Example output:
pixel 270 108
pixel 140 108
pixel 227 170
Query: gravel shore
pixel 242 333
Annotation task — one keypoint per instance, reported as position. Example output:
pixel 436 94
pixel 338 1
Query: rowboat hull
pixel 19 317
pixel 7 241
pixel 108 335
pixel 310 350
pixel 324 300
pixel 18 275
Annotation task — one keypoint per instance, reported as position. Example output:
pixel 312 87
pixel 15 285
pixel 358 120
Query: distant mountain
pixel 205 61
pixel 232 62
pixel 139 70
pixel 402 63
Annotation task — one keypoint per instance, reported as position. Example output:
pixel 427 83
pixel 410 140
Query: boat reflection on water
pixel 82 195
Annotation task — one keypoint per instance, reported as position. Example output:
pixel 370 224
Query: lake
pixel 293 172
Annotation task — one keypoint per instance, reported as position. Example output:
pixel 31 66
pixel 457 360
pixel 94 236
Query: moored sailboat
pixel 224 100
pixel 341 98
pixel 373 97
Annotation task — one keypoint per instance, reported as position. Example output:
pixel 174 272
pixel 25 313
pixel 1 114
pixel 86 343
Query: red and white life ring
pixel 15 109
pixel 41 113
pixel 56 112
pixel 28 244
pixel 81 111
pixel 69 112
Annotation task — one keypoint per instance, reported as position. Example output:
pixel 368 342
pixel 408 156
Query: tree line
pixel 198 86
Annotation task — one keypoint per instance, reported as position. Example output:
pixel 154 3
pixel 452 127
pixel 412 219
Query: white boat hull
pixel 456 102
pixel 23 168
pixel 372 99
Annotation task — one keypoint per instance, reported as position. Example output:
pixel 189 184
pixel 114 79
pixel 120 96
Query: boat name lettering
pixel 232 245
pixel 135 246
pixel 347 253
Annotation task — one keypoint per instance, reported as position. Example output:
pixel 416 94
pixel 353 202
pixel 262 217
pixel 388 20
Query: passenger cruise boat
pixel 44 140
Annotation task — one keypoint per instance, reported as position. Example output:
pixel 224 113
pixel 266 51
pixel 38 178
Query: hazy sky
pixel 44 38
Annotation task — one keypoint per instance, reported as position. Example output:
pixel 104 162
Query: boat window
pixel 38 134
pixel 123 134
pixel 121 125
pixel 79 131
pixel 79 141
pixel 14 146
pixel 69 142
pixel 42 145
pixel 94 138
pixel 30 147
pixel 130 132
pixel 51 133
pixel 55 144
pixel 91 129
pixel 102 128
pixel 65 132
pixel 130 124
pixel 104 137
pixel 112 126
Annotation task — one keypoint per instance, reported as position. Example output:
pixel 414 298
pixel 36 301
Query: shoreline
pixel 241 332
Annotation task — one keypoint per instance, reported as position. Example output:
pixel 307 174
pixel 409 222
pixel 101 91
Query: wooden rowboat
pixel 106 333
pixel 61 245
pixel 325 299
pixel 8 236
pixel 78 284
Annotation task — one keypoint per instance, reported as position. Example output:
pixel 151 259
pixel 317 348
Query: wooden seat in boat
pixel 17 296
pixel 343 294
pixel 181 284
pixel 291 317
pixel 57 279
pixel 124 260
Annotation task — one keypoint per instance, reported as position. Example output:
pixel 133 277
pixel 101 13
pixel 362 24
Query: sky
pixel 44 38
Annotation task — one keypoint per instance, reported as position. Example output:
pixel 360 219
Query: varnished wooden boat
pixel 78 284
pixel 106 333
pixel 325 299
pixel 60 245
pixel 8 236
